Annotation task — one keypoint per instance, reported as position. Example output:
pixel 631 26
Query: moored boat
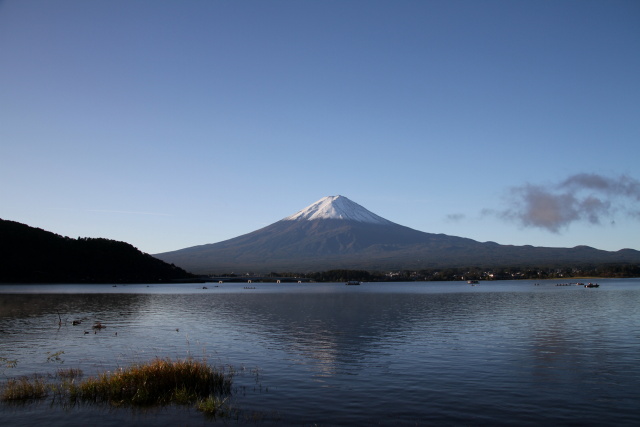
pixel 352 282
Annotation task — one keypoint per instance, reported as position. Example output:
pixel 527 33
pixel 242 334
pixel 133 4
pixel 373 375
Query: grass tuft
pixel 24 388
pixel 156 383
pixel 212 406
pixel 159 382
pixel 69 374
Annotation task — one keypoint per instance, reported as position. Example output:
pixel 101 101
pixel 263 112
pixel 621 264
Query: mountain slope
pixel 31 254
pixel 335 232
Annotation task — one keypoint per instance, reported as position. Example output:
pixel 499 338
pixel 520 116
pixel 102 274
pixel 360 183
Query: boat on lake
pixel 472 282
pixel 591 285
pixel 352 282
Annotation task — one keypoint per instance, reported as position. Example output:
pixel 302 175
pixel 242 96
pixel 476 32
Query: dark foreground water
pixel 499 353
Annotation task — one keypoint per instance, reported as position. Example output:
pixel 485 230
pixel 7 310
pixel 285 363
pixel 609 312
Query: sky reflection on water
pixel 388 353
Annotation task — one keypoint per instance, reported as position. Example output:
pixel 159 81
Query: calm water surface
pixel 499 353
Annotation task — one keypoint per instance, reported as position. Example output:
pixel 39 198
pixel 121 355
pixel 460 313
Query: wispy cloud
pixel 456 217
pixel 583 197
pixel 128 212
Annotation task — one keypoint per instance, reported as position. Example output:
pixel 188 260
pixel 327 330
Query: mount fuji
pixel 337 233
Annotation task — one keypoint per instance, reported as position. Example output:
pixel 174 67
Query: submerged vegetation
pixel 159 382
pixel 7 363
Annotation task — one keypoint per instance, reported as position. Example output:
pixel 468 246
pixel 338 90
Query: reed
pixel 24 388
pixel 69 374
pixel 212 406
pixel 155 383
pixel 159 382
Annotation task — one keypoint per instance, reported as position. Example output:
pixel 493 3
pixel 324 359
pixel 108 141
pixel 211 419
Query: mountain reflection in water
pixel 443 353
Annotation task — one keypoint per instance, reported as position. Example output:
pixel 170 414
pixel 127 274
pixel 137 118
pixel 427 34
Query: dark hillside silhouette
pixel 30 255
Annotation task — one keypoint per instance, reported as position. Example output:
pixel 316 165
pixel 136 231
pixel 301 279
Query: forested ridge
pixel 33 255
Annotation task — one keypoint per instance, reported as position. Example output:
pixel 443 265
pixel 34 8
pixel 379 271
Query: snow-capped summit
pixel 337 207
pixel 336 233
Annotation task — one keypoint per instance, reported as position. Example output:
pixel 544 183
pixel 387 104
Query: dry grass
pixel 159 382
pixel 156 383
pixel 24 388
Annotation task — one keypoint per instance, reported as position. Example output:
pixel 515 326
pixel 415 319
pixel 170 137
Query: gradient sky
pixel 169 124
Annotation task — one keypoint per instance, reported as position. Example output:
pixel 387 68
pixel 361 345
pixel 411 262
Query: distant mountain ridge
pixel 33 255
pixel 337 233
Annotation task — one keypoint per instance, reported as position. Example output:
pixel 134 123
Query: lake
pixel 426 353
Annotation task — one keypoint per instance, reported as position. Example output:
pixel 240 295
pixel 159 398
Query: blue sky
pixel 169 124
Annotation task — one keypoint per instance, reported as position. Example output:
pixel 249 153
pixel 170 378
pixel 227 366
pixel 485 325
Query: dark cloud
pixel 581 197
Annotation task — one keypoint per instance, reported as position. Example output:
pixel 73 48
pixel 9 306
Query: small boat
pixel 472 282
pixel 352 282
pixel 591 285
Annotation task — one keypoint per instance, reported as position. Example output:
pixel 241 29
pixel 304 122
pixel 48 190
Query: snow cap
pixel 337 207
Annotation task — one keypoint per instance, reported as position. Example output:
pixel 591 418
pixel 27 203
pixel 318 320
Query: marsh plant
pixel 159 382
pixel 55 357
pixel 155 383
pixel 213 405
pixel 24 389
pixel 69 374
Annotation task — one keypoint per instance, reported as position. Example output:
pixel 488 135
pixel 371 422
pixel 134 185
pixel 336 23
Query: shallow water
pixel 499 353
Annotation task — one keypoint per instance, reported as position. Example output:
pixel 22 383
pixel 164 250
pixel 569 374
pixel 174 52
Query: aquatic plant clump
pixel 69 374
pixel 212 406
pixel 24 388
pixel 156 383
pixel 159 382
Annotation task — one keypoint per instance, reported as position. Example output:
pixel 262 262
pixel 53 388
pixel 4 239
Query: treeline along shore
pixel 447 274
